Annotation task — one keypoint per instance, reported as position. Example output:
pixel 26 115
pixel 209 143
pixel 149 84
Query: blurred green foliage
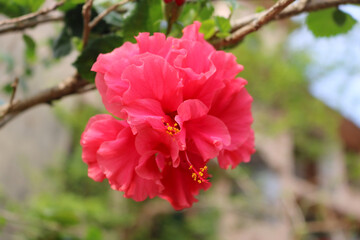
pixel 353 168
pixel 15 8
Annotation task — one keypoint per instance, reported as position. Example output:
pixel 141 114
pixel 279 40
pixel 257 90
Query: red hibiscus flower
pixel 181 106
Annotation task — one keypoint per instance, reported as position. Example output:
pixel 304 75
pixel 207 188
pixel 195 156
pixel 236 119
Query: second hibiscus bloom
pixel 181 106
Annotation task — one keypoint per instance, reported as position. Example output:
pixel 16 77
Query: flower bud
pixel 178 2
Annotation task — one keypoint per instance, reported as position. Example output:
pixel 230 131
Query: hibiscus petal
pixel 149 140
pixel 191 109
pixel 234 109
pixel 109 68
pixel 179 186
pixel 140 188
pixel 147 167
pixel 105 61
pixel 241 154
pixel 154 79
pixel 195 62
pixel 118 160
pixel 157 44
pixel 226 66
pixel 191 32
pixel 149 144
pixel 209 134
pixel 100 128
pixel 143 111
pixel 111 100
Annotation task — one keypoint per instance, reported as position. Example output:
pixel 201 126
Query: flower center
pixel 171 128
pixel 198 176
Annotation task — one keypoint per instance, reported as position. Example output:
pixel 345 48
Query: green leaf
pixel 70 4
pixel 223 24
pixel 208 28
pixel 145 17
pixel 88 56
pixel 62 45
pixel 329 22
pixel 7 88
pixel 74 21
pixel 339 17
pixel 15 8
pixel 30 48
pixel 201 10
pixel 206 10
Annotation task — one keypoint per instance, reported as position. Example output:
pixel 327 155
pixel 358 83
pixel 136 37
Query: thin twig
pixel 86 11
pixel 96 20
pixel 254 25
pixel 14 86
pixel 29 24
pixel 31 15
pixel 70 86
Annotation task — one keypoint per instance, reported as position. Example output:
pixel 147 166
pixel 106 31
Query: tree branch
pixel 96 20
pixel 86 11
pixel 70 86
pixel 26 17
pixel 30 23
pixel 254 25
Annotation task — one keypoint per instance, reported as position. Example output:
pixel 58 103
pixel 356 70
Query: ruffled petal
pixel 105 61
pixel 157 44
pixel 111 100
pixel 109 68
pixel 148 168
pixel 145 112
pixel 180 188
pixel 192 33
pixel 100 128
pixel 149 144
pixel 154 79
pixel 207 135
pixel 118 160
pixel 191 109
pixel 140 188
pixel 234 109
pixel 226 66
pixel 241 154
pixel 151 140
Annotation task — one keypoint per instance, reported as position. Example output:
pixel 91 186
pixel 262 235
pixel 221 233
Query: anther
pixel 196 175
